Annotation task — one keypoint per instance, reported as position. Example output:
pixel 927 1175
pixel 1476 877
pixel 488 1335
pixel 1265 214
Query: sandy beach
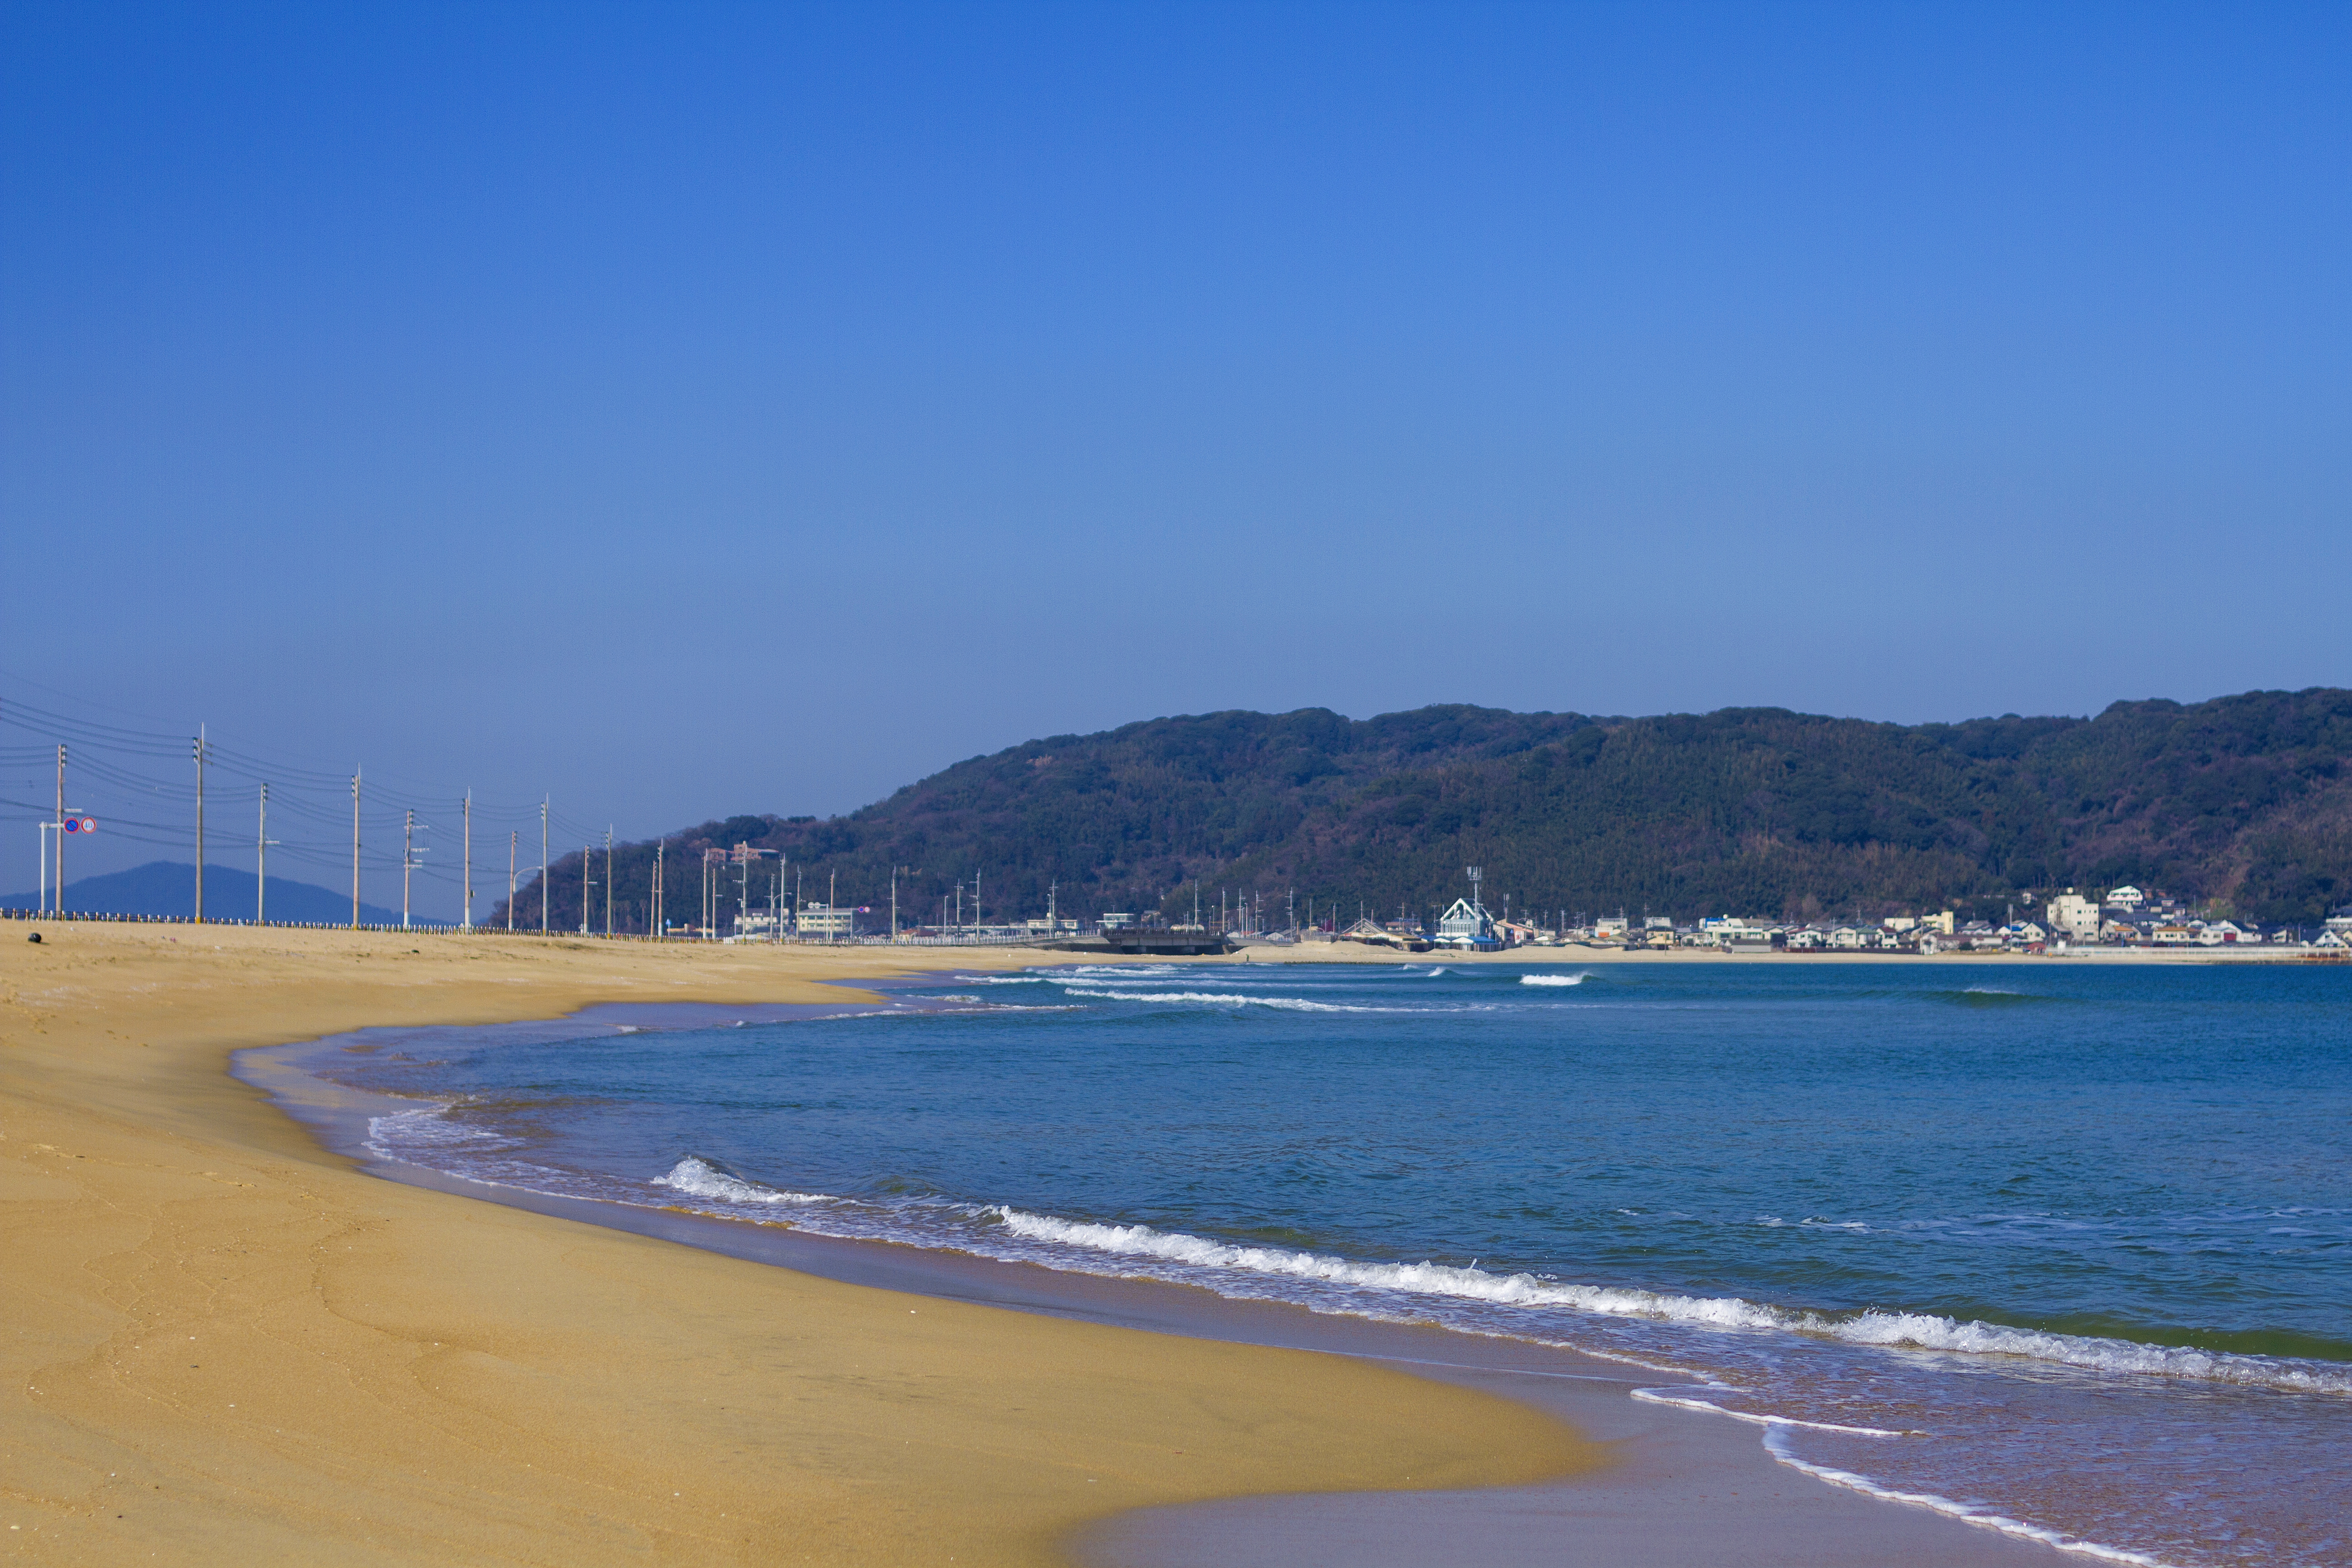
pixel 226 1345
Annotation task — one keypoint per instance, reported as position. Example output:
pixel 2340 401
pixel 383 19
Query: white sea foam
pixel 1775 1442
pixel 1926 1332
pixel 699 1178
pixel 1909 1330
pixel 1577 979
pixel 404 1134
pixel 1659 1396
pixel 1230 999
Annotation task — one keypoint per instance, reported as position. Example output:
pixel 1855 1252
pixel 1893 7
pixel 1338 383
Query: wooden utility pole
pixel 587 856
pixel 57 902
pixel 514 836
pixel 355 849
pixel 608 880
pixel 466 918
pixel 543 872
pixel 407 860
pixel 200 825
pixel 261 863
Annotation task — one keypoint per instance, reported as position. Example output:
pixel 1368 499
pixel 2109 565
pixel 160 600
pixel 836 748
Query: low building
pixel 825 922
pixel 2073 914
pixel 1467 927
pixel 2124 898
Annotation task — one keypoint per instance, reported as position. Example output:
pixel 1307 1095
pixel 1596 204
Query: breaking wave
pixel 699 1178
pixel 1231 999
pixel 1895 1331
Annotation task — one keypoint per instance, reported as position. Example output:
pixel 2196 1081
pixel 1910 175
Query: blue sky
pixel 692 409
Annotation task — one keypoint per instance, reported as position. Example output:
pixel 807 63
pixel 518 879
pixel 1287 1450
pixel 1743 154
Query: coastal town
pixel 2074 920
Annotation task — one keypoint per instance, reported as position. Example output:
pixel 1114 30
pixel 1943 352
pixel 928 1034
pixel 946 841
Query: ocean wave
pixel 1231 999
pixel 1991 997
pixel 1577 979
pixel 698 1177
pixel 1923 1331
pixel 1894 1330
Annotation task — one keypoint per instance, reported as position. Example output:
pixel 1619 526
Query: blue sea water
pixel 2067 1247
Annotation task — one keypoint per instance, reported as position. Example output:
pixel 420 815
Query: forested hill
pixel 2244 801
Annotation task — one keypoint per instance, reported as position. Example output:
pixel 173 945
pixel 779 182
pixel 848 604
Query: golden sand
pixel 225 1345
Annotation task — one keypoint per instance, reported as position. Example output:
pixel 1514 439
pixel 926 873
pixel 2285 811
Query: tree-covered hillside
pixel 2244 801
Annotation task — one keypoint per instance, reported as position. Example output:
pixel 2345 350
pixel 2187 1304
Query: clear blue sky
pixel 692 409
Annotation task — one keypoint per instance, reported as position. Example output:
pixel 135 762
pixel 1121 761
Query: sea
pixel 2065 1248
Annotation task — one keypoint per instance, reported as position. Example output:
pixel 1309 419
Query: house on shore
pixel 1467 927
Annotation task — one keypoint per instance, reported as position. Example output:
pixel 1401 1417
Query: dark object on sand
pixel 33 936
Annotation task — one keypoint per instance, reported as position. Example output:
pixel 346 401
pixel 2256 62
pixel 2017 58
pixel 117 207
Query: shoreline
pixel 1677 1486
pixel 1351 1420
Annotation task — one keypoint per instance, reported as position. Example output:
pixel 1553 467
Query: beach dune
pixel 223 1344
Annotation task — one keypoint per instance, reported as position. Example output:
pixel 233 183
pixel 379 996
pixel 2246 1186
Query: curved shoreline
pixel 233 1343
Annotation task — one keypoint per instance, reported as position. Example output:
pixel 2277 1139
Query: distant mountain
pixel 169 887
pixel 2245 801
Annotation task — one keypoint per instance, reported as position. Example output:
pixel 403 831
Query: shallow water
pixel 2061 1245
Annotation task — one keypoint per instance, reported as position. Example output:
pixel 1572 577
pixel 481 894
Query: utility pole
pixel 261 863
pixel 608 879
pixel 893 904
pixel 514 836
pixel 407 860
pixel 543 872
pixel 58 903
pixel 466 917
pixel 355 849
pixel 661 926
pixel 832 905
pixel 200 825
pixel 587 852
